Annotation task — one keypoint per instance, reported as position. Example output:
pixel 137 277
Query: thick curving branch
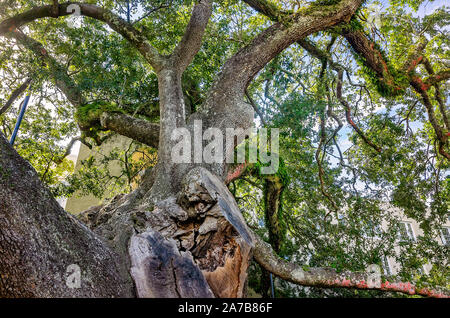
pixel 268 9
pixel 273 13
pixel 39 242
pixel 240 69
pixel 134 128
pixel 137 129
pixel 135 37
pixel 373 59
pixel 60 77
pixel 192 38
pixel 328 277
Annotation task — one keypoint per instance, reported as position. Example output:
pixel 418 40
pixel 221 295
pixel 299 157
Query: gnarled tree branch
pixel 192 38
pixel 134 128
pixel 240 69
pixel 328 277
pixel 273 13
pixel 58 72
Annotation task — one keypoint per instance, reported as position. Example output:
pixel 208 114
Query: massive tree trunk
pixel 40 243
pixel 193 244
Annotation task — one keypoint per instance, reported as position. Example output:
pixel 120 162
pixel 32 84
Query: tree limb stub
pixel 161 271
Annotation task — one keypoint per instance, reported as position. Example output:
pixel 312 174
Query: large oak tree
pixel 181 232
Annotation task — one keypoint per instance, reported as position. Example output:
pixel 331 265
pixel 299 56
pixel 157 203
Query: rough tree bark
pixel 180 234
pixel 39 240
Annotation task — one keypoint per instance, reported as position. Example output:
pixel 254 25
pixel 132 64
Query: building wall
pixel 417 231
